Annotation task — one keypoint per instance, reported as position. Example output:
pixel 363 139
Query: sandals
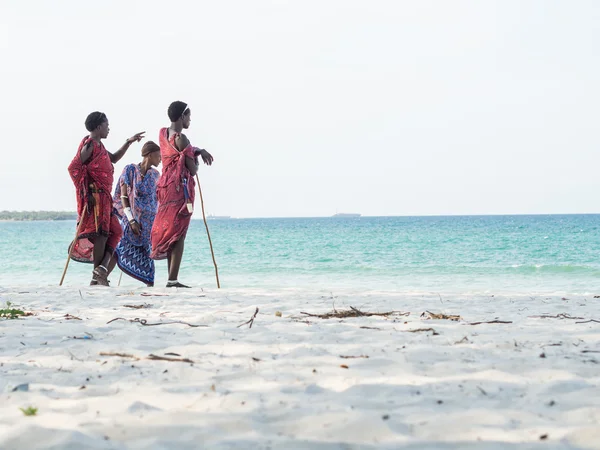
pixel 176 284
pixel 100 277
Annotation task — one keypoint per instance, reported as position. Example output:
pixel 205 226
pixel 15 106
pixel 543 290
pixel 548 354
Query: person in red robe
pixel 175 190
pixel 92 173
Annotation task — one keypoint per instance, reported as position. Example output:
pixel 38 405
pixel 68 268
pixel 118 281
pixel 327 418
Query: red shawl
pixel 175 188
pixel 94 178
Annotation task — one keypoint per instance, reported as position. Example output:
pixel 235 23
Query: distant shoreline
pixel 30 216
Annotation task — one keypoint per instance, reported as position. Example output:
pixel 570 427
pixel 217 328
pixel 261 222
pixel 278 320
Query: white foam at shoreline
pixel 280 384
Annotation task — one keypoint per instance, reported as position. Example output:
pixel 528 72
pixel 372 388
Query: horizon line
pixel 332 216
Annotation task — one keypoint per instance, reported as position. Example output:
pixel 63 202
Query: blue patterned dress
pixel 133 251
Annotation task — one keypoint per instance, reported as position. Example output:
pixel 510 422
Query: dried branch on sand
pixel 150 357
pixel 164 358
pixel 417 330
pixel 250 321
pixel 71 317
pixel 430 315
pixel 491 321
pixel 558 316
pixel 353 312
pixel 145 322
pixel 120 355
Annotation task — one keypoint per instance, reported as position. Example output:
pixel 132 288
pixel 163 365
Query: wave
pixel 554 269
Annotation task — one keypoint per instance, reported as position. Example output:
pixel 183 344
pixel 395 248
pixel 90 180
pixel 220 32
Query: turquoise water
pixel 554 253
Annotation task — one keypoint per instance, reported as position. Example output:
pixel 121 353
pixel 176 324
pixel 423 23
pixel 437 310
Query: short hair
pixel 150 147
pixel 176 110
pixel 94 120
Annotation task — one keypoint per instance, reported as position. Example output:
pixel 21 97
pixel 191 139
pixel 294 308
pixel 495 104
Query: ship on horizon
pixel 346 215
pixel 213 217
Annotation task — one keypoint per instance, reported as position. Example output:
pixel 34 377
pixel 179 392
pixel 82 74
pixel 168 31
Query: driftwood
pixel 164 358
pixel 350 357
pixel 120 355
pixel 418 330
pixel 430 315
pixel 353 312
pixel 145 322
pixel 588 321
pixel 143 306
pixel 71 317
pixel 250 321
pixel 491 321
pixel 558 316
pixel 150 357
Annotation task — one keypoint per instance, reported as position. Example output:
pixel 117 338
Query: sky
pixel 379 107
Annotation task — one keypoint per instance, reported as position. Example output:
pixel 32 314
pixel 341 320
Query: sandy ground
pixel 293 381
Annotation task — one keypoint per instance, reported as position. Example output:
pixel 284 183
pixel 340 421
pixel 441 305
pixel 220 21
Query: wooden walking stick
pixel 208 233
pixel 73 244
pixel 120 276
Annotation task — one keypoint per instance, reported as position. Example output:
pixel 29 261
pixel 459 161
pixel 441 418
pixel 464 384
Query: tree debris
pixel 150 357
pixel 145 322
pixel 120 355
pixel 558 316
pixel 164 358
pixel 71 317
pixel 250 321
pixel 417 330
pixel 353 312
pixel 491 321
pixel 430 315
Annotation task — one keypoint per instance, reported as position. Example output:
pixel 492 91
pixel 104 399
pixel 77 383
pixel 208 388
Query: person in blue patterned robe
pixel 136 204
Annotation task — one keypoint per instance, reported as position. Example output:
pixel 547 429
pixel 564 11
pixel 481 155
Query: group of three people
pixel 148 216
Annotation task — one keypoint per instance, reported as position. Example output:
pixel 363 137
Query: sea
pixel 525 254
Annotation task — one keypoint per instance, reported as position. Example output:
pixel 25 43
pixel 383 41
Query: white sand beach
pixel 293 381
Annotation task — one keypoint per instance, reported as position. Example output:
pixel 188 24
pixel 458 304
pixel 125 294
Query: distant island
pixel 345 215
pixel 37 215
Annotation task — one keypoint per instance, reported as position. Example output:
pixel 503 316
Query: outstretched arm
pixel 206 157
pixel 115 157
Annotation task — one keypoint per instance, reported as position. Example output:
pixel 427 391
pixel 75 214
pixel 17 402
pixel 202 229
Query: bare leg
pixel 175 257
pixel 173 263
pixel 111 264
pixel 99 249
pixel 101 261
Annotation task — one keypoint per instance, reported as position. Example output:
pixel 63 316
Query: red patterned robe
pixel 176 187
pixel 94 178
